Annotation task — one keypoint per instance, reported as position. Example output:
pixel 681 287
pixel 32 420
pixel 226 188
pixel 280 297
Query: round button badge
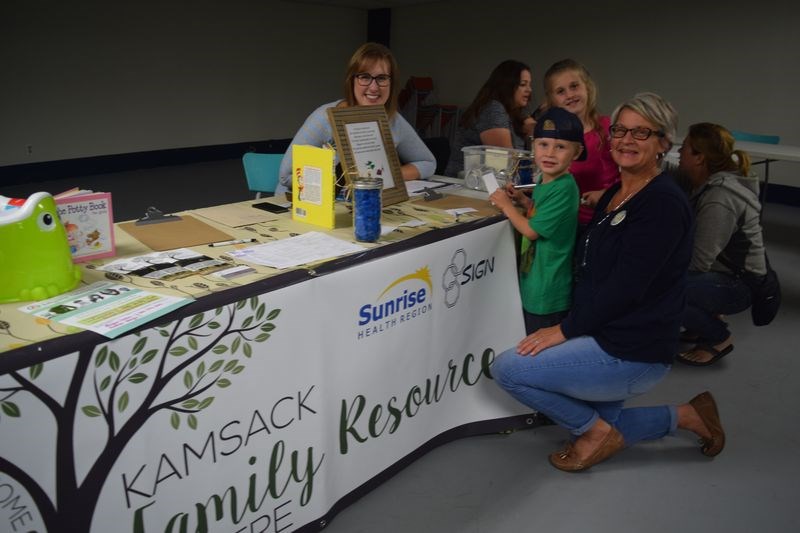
pixel 619 217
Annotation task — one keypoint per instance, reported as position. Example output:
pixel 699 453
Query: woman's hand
pixel 527 126
pixel 409 172
pixel 540 340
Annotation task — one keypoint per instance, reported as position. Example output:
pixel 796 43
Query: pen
pixel 233 241
pixel 525 186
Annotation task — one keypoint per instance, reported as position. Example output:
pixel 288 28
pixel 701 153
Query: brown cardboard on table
pixel 180 232
pixel 454 201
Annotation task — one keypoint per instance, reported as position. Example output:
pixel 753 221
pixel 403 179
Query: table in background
pixel 769 153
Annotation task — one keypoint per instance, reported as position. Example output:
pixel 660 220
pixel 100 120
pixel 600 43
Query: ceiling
pixel 365 4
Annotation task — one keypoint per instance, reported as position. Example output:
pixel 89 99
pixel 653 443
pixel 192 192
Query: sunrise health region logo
pixel 404 299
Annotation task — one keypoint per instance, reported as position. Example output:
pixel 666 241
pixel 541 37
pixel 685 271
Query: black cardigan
pixel 631 274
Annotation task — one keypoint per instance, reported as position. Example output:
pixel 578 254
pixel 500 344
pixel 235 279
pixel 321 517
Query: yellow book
pixel 313 189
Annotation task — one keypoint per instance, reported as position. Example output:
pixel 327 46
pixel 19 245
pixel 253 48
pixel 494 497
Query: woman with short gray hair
pixel 621 334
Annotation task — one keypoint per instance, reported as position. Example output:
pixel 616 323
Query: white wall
pixel 89 78
pixel 735 62
pixel 97 77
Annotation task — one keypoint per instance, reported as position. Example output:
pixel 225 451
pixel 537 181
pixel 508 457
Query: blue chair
pixel 759 138
pixel 261 171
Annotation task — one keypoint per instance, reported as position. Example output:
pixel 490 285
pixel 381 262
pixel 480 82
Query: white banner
pixel 260 415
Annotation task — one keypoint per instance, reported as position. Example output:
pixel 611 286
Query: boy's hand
pixel 591 198
pixel 516 194
pixel 501 199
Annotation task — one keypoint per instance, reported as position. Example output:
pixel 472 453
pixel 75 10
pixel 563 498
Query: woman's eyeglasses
pixel 640 134
pixel 365 79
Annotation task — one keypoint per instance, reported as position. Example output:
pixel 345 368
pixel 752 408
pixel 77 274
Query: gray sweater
pixel 727 226
pixel 493 115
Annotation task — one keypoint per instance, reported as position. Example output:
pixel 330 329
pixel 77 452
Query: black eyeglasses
pixel 640 134
pixel 365 79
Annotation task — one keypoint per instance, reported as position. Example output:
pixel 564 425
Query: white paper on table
pixel 386 230
pixel 413 223
pixel 294 251
pixel 491 182
pixel 461 211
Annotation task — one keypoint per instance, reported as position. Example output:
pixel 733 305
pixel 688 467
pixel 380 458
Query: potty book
pixel 89 222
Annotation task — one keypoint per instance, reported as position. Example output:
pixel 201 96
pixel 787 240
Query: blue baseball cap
pixel 558 123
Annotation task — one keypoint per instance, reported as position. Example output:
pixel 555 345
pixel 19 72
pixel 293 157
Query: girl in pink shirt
pixel 567 84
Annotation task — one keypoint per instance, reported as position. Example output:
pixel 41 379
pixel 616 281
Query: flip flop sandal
pixel 716 355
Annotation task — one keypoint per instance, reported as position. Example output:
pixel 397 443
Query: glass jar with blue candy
pixel 367 208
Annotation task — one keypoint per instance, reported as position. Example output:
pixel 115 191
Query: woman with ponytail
pixel 728 242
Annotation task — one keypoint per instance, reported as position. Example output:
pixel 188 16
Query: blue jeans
pixel 710 294
pixel 577 382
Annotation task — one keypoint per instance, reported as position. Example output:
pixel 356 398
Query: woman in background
pixel 370 79
pixel 728 241
pixel 497 116
pixel 569 85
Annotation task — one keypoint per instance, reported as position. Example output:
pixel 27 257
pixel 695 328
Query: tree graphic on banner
pixel 208 348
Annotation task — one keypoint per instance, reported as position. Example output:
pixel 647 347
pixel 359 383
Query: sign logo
pixel 461 272
pixel 404 299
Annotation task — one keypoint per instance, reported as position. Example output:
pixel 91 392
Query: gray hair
pixel 655 109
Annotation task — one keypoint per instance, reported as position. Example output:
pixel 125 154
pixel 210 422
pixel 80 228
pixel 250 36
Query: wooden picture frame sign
pixel 366 148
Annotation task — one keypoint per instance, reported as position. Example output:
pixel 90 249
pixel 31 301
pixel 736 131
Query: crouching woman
pixel 621 335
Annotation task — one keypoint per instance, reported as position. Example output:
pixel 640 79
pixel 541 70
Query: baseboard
pixel 86 166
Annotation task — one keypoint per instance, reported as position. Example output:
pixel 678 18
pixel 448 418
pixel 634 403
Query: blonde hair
pixel 716 144
pixel 368 54
pixel 570 65
pixel 655 109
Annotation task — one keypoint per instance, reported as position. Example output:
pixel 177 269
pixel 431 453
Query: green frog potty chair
pixel 35 260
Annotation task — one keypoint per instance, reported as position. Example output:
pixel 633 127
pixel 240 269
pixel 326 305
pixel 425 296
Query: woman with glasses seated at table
pixel 496 116
pixel 728 240
pixel 621 333
pixel 370 79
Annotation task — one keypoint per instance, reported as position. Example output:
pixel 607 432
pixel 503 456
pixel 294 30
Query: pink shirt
pixel 598 171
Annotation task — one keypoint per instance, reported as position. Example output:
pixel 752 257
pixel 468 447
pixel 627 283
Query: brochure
pixel 105 307
pixel 164 266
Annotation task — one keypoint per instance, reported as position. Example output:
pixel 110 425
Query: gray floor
pixel 503 483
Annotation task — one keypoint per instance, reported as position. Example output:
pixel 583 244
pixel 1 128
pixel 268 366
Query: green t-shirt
pixel 547 286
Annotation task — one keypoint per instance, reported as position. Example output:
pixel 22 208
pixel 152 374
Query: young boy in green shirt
pixel 549 228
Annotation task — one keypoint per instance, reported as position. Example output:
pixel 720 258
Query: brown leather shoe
pixel 568 461
pixel 706 408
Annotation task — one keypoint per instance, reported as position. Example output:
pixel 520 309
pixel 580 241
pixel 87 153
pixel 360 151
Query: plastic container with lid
pixel 505 163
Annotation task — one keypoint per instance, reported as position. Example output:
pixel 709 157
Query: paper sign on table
pixel 491 182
